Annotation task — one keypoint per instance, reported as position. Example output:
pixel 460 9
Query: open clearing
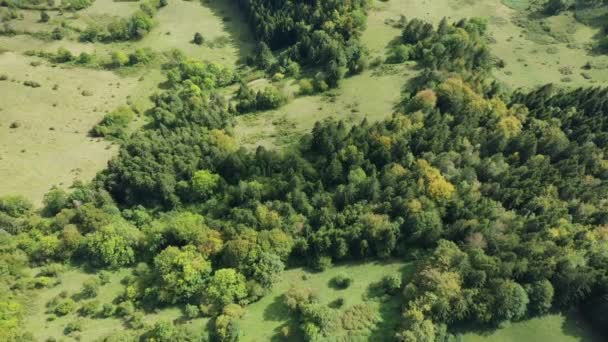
pixel 554 328
pixel 529 62
pixel 34 157
pixel 93 328
pixel 368 95
pixel 225 31
pixel 264 320
pixel 51 146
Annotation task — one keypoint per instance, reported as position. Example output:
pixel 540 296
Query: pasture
pixel 264 319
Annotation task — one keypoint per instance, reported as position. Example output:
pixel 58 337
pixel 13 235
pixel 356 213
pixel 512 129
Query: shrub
pixel 73 326
pixel 125 309
pixel 15 206
pixel 198 39
pixel 119 59
pixel 66 307
pixel 342 281
pixel 114 123
pixel 90 288
pixel 91 308
pixel 392 283
pixel 104 277
pixel 31 84
pixel 321 263
pixel 108 310
pixel 192 311
pixel 63 56
pixel 399 54
pixel 44 17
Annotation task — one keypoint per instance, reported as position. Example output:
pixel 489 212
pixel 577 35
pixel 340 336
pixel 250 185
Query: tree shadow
pixel 390 319
pixel 235 24
pixel 277 310
pixel 575 325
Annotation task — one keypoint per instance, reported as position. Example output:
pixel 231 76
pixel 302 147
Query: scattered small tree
pixel 44 17
pixel 198 39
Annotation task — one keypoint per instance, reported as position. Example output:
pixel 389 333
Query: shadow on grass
pixel 277 310
pixel 235 24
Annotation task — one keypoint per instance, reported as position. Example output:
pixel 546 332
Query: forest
pixel 495 194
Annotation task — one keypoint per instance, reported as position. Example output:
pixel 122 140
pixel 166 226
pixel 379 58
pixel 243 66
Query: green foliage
pixel 456 47
pixel 113 245
pixel 392 283
pixel 134 27
pixel 315 34
pixel 226 286
pixel 44 17
pixel 251 101
pixel 64 307
pixel 181 273
pixel 90 288
pixel 15 206
pixel 204 183
pixel 198 39
pixel 342 281
pixel 114 124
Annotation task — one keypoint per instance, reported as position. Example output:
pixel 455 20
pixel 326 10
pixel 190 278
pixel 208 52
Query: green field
pixel 264 319
pixel 556 327
pixel 54 124
pixel 529 62
pixel 45 325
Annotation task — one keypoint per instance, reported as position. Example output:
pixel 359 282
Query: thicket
pixel 320 34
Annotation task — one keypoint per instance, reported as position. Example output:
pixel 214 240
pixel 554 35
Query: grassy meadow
pixel 264 320
pixel 93 328
pixel 51 146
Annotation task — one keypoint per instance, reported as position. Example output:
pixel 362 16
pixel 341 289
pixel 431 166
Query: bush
pixel 64 308
pixel 15 205
pixel 44 17
pixel 399 54
pixel 198 39
pixel 125 309
pixel 321 263
pixel 192 311
pixel 91 308
pixel 392 283
pixel 114 124
pixel 119 59
pixel 341 281
pixel 31 84
pixel 90 288
pixel 104 277
pixel 73 326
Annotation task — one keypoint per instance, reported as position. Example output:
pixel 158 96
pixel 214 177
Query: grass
pixel 226 34
pixel 41 327
pixel 368 95
pixel 528 62
pixel 554 327
pixel 51 145
pixel 54 123
pixel 264 319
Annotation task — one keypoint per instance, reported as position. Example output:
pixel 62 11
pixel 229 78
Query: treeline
pixel 457 47
pixel 319 34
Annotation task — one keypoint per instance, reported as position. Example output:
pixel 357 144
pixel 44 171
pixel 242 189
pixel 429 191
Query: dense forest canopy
pixel 498 196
